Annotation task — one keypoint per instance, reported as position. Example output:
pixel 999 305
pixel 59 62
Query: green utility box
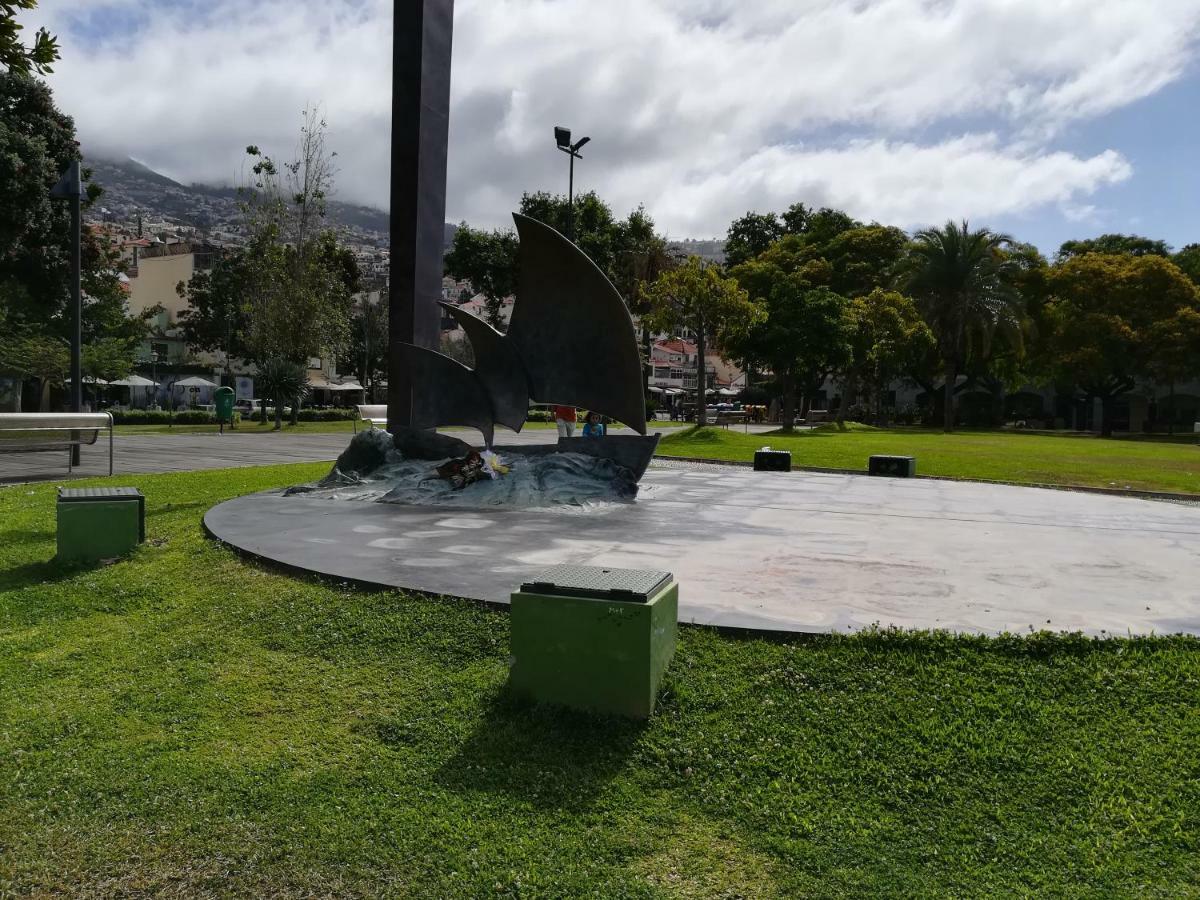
pixel 99 523
pixel 594 638
pixel 223 399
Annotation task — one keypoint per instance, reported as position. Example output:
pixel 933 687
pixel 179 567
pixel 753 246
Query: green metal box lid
pixel 602 583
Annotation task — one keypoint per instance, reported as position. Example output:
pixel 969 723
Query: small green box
pixel 99 523
pixel 574 644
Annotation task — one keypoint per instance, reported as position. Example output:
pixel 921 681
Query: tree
pixel 696 296
pixel 37 142
pixel 751 235
pixel 1176 353
pixel 215 319
pixel 299 285
pixel 16 57
pixel 489 261
pixel 801 335
pixel 367 353
pixel 1132 244
pixel 1109 316
pixel 964 283
pixel 1188 259
pixel 888 340
pixel 282 381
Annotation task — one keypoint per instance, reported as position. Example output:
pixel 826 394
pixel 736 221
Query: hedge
pixel 166 417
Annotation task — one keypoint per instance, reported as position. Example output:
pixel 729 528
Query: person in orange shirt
pixel 564 418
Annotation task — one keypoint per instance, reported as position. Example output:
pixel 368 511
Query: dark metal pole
pixel 422 36
pixel 571 200
pixel 70 188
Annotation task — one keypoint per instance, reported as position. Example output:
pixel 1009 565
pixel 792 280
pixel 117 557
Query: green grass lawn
pixel 990 455
pixel 185 723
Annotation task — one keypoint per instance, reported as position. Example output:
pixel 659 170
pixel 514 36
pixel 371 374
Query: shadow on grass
pixel 545 756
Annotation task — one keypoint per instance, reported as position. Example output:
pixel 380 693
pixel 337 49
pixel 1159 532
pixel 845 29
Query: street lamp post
pixel 562 137
pixel 70 188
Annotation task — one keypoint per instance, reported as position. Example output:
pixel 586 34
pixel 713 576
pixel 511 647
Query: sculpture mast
pixel 422 32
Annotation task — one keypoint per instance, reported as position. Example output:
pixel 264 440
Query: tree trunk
pixel 701 380
pixel 948 397
pixel 849 395
pixel 1171 410
pixel 296 412
pixel 262 410
pixel 1106 415
pixel 278 415
pixel 787 402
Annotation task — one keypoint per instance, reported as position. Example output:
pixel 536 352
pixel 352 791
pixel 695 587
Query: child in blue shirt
pixel 593 427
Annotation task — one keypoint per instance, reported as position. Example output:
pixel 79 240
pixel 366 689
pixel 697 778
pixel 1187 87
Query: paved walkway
pixel 189 451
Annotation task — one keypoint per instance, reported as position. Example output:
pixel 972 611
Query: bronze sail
pixel 572 330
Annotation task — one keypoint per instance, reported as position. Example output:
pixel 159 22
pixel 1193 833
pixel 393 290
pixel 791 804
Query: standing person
pixel 564 418
pixel 593 426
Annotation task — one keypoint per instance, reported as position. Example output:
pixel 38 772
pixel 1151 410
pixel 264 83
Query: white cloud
pixel 700 109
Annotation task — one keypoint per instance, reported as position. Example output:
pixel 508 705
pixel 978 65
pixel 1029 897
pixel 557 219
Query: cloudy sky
pixel 1046 118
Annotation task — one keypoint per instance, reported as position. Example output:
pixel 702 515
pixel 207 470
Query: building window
pixel 159 351
pixel 676 374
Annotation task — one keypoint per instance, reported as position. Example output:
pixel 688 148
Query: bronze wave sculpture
pixel 571 341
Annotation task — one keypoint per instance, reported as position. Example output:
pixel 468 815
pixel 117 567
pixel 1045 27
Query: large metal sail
pixel 572 331
pixel 446 392
pixel 499 368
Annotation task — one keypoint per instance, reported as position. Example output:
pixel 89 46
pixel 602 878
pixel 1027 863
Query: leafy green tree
pixel 282 381
pixel 1132 244
pixel 300 283
pixel 15 56
pixel 1109 316
pixel 1188 259
pixel 37 142
pixel 44 357
pixel 1176 354
pixel 751 235
pixel 965 283
pixel 888 340
pixel 215 319
pixel 862 258
pixel 366 355
pixel 487 259
pixel 801 336
pixel 697 297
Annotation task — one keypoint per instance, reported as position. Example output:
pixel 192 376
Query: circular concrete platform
pixel 791 551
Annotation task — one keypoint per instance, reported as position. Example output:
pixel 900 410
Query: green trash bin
pixel 223 399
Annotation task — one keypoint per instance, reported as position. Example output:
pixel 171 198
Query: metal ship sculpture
pixel 570 341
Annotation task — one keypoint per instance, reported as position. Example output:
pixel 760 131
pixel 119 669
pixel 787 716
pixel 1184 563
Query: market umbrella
pixel 134 381
pixel 195 381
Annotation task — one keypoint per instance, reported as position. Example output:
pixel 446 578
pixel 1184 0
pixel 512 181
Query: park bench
pixel 733 417
pixel 375 415
pixel 38 432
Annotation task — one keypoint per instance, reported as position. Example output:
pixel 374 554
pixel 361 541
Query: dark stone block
pixel 892 466
pixel 772 461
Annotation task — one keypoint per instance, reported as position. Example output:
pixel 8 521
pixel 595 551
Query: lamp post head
pixel 575 147
pixel 70 186
pixel 563 137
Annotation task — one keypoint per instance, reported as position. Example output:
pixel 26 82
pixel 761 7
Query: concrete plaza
pixel 796 551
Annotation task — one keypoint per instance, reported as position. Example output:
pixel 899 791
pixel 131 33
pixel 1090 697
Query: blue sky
pixel 1049 120
pixel 1160 137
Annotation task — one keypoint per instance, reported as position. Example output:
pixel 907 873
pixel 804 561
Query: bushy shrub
pixel 540 415
pixel 166 417
pixel 327 415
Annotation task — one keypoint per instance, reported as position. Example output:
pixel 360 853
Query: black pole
pixel 422 36
pixel 70 188
pixel 571 200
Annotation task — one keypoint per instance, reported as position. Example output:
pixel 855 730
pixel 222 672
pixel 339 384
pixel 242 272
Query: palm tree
pixel 964 283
